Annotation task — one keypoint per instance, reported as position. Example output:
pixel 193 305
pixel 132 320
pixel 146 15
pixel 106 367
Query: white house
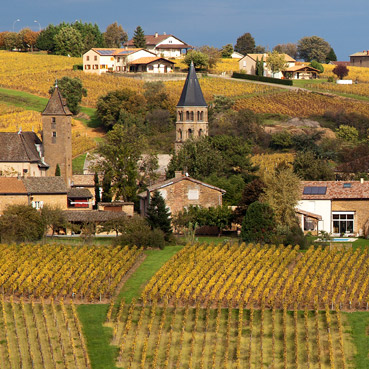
pixel 248 64
pixel 337 207
pixel 167 46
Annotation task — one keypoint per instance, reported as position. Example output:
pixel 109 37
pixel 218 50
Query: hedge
pixel 287 82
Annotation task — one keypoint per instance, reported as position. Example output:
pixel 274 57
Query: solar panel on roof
pixel 106 52
pixel 315 190
pixel 124 52
pixel 347 185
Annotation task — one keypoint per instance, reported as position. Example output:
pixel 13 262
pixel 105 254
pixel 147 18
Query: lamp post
pixel 36 21
pixel 17 20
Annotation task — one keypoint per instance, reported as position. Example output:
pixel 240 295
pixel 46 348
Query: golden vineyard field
pixel 82 273
pixel 254 275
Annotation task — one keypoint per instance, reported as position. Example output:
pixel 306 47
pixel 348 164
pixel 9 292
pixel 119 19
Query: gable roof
pixel 12 185
pixel 148 60
pixel 83 180
pixel 45 185
pixel 152 40
pixel 297 68
pixel 361 53
pixel 169 182
pixel 287 58
pixel 336 190
pixel 92 215
pixel 19 147
pixel 78 193
pixel 191 93
pixel 56 105
pixel 117 52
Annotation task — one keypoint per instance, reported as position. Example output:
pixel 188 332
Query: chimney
pixel 156 34
pixel 178 174
pixel 164 33
pixel 361 180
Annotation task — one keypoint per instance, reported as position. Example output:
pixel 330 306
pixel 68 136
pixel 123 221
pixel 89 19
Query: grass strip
pixel 155 259
pixel 98 338
pixel 359 322
pixel 22 99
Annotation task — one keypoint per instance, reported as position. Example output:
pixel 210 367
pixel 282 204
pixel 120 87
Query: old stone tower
pixel 192 111
pixel 57 136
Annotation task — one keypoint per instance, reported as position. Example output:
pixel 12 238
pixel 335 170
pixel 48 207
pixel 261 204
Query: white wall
pixel 319 207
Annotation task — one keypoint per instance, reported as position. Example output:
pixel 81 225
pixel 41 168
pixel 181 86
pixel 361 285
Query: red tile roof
pixel 12 185
pixel 337 191
pixel 152 40
pixel 148 60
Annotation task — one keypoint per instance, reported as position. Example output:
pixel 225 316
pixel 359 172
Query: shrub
pixel 287 82
pixel 78 67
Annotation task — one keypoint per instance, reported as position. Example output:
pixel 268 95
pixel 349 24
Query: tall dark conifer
pixel 139 39
pixel 97 190
pixel 158 216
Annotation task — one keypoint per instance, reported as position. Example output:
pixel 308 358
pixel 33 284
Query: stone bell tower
pixel 192 111
pixel 57 136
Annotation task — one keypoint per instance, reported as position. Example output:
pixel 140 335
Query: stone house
pixel 183 191
pixel 337 207
pixel 360 59
pixel 167 46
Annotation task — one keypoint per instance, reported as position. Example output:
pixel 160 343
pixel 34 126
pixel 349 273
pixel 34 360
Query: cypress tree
pixel 158 216
pixel 97 190
pixel 139 39
pixel 57 171
pixel 106 185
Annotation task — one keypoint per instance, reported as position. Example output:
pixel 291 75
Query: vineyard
pixel 254 276
pixel 41 336
pixel 85 273
pixel 195 337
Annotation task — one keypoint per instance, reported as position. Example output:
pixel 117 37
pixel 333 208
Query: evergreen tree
pixel 106 185
pixel 331 56
pixel 139 39
pixel 97 190
pixel 158 216
pixel 57 171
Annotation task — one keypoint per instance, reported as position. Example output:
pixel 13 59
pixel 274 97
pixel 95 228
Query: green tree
pixel 91 35
pixel 115 35
pixel 21 223
pixel 309 167
pixel 139 39
pixel 199 59
pixel 97 190
pixel 281 140
pixel 258 225
pixel 331 56
pixel 120 152
pixel 112 106
pixel 347 133
pixel 69 41
pixel 54 218
pixel 245 44
pixel 259 70
pixel 57 171
pixel 72 90
pixel 313 47
pixel 315 64
pixel 46 38
pixel 12 41
pixel 106 187
pixel 282 193
pixel 213 54
pixel 227 51
pixel 289 49
pixel 260 49
pixel 276 62
pixel 157 96
pixel 158 215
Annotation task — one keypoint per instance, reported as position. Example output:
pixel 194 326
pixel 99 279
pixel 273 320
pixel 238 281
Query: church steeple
pixel 57 136
pixel 192 111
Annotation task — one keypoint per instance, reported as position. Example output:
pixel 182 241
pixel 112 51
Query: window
pixel 180 135
pixel 180 116
pixel 200 132
pixel 118 59
pixel 200 116
pixel 150 67
pixel 87 57
pixel 347 185
pixel 343 222
pixel 190 133
pixel 187 115
pixel 244 63
pixel 96 66
pixel 53 138
pixel 191 116
pixel 37 204
pixel 87 66
pixel 53 123
pixel 95 57
pixel 193 194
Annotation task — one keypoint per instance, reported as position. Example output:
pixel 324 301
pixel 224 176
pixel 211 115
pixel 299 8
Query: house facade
pixel 360 59
pixel 167 46
pixel 300 72
pixel 338 207
pixel 183 191
pixel 248 64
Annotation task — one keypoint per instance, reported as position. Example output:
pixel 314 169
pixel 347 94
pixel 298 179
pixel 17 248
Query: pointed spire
pixel 57 104
pixel 191 93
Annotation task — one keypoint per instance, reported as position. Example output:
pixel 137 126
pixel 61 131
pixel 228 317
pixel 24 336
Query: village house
pixel 183 191
pixel 300 72
pixel 98 61
pixel 360 59
pixel 167 46
pixel 336 207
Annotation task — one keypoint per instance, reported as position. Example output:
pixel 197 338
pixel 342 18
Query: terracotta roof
pixel 152 40
pixel 113 52
pixel 83 180
pixel 45 185
pixel 346 63
pixel 12 185
pixel 19 147
pixel 78 193
pixel 307 213
pixel 361 53
pixel 287 58
pixel 191 94
pixel 296 68
pixel 148 60
pixel 92 215
pixel 337 190
pixel 56 105
pixel 169 182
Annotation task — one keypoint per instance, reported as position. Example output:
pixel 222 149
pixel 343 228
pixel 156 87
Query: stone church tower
pixel 192 111
pixel 57 136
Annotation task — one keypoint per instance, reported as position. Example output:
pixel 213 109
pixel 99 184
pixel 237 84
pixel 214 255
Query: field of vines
pixel 361 89
pixel 300 104
pixel 173 336
pixel 39 335
pixel 272 276
pixel 355 73
pixel 86 273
